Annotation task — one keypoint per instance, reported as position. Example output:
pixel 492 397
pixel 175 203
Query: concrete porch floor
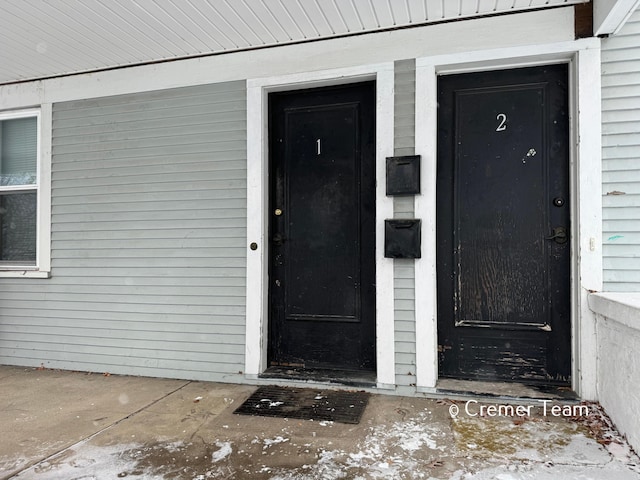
pixel 70 425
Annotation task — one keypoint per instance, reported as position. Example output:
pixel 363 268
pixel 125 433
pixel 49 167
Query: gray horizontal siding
pixel 404 271
pixel 621 158
pixel 148 239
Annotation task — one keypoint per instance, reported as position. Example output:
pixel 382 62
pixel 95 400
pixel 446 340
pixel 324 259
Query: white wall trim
pixel 44 194
pixel 587 220
pixel 425 208
pixel 42 267
pixel 587 225
pixel 257 204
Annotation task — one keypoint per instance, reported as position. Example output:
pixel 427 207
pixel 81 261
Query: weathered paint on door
pixel 322 228
pixel 503 225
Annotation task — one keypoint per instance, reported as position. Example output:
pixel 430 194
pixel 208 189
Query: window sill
pixel 24 274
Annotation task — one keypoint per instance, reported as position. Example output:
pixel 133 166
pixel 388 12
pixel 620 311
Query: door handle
pixel 559 235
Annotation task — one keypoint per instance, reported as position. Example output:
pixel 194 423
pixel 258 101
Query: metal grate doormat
pixel 306 404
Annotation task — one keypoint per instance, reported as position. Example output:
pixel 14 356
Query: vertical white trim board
pixel 44 192
pixel 585 169
pixel 257 205
pixel 425 208
pixel 587 199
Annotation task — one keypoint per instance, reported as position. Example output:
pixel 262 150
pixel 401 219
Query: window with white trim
pixel 20 180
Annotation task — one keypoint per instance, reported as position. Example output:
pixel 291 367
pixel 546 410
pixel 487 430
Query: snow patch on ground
pixel 89 462
pixel 225 451
pixel 489 449
pixel 541 471
pixel 139 461
pixel 420 446
pixel 37 451
pixel 269 442
pixel 173 447
pixel 404 449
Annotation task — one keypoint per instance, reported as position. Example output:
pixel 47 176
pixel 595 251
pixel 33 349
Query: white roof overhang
pixel 50 38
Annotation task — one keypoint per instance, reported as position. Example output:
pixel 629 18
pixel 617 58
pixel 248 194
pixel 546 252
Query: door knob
pixel 559 235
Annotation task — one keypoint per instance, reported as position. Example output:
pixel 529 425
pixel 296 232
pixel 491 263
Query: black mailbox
pixel 403 175
pixel 402 238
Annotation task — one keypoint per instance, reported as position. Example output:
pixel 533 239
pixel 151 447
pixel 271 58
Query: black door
pixel 503 249
pixel 322 228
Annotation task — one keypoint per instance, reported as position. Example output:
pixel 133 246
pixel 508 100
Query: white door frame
pixel 583 57
pixel 257 205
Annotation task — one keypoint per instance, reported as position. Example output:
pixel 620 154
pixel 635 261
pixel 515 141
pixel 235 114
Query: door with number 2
pixel 503 231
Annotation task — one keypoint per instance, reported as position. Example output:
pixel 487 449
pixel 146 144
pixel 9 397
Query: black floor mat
pixel 306 404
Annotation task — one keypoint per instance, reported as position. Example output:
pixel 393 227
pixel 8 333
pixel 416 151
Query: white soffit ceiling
pixel 47 38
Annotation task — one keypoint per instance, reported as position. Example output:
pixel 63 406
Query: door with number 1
pixel 503 226
pixel 322 228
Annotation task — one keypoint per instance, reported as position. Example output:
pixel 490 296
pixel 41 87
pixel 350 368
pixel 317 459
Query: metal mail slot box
pixel 402 238
pixel 403 175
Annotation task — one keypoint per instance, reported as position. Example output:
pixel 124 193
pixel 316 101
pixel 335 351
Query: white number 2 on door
pixel 502 126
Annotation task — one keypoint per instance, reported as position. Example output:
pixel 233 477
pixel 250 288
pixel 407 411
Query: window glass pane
pixel 18 151
pixel 18 228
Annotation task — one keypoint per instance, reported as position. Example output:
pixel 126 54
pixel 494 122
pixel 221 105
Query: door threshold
pixel 505 390
pixel 350 378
